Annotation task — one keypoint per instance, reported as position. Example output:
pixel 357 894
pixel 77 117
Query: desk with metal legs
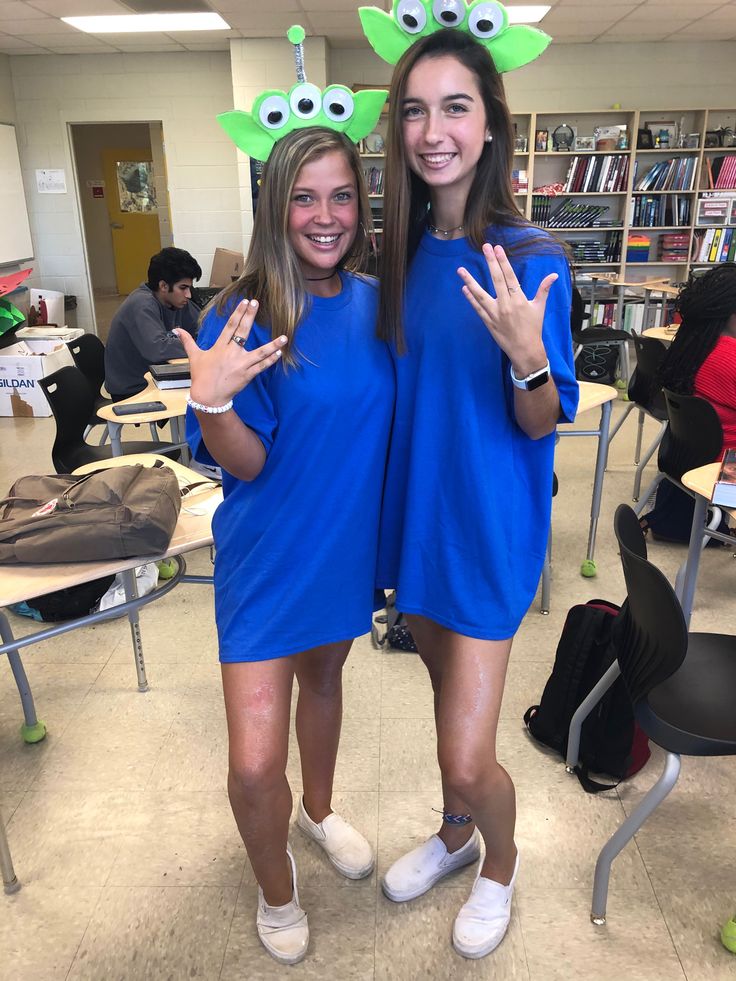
pixel 19 582
pixel 701 482
pixel 592 396
pixel 175 400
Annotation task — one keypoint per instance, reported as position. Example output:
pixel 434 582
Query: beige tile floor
pixel 132 867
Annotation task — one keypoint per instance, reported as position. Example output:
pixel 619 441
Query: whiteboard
pixel 15 232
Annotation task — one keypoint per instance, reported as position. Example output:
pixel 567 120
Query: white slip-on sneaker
pixel 417 871
pixel 283 930
pixel 481 924
pixel 345 847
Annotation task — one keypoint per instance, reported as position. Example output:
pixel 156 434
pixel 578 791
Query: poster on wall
pixel 136 188
pixel 51 181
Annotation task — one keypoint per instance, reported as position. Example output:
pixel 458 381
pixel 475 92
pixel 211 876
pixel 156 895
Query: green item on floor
pixel 728 935
pixel 166 568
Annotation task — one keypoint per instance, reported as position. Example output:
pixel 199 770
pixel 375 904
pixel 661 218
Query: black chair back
pixel 72 402
pixel 651 634
pixel 694 436
pixel 644 389
pixel 88 352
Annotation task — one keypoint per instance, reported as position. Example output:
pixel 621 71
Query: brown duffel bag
pixel 118 513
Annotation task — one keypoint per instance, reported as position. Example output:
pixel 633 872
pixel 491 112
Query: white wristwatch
pixel 535 380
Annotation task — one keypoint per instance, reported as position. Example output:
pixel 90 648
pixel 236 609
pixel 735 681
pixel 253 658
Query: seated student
pixel 701 361
pixel 141 330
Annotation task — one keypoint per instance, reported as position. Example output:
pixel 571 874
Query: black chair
pixel 693 438
pixel 597 336
pixel 88 353
pixel 72 403
pixel 645 394
pixel 681 685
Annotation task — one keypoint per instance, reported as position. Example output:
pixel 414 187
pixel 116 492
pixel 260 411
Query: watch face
pixel 541 379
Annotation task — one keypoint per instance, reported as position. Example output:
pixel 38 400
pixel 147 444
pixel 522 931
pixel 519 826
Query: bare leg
pixel 257 703
pixel 468 708
pixel 428 638
pixel 318 722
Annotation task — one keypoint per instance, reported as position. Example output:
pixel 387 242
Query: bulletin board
pixel 15 240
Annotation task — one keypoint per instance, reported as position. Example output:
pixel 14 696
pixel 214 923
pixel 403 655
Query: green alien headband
pixel 390 35
pixel 276 113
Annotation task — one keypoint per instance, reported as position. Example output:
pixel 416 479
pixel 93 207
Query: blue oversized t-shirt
pixel 468 494
pixel 296 547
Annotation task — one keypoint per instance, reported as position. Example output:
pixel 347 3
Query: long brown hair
pixel 272 274
pixel 406 199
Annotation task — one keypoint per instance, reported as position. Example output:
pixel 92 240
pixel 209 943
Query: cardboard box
pixel 20 394
pixel 227 266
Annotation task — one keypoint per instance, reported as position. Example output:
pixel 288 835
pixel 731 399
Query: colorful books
pixel 724 492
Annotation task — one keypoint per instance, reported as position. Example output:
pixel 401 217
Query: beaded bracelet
pixel 212 409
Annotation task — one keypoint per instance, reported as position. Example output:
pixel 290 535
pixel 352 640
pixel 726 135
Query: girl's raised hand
pixel 514 321
pixel 220 372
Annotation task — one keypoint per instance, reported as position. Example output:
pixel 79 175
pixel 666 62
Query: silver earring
pixel 489 138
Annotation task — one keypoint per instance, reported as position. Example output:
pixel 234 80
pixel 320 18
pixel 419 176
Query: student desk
pixel 591 397
pixel 175 400
pixel 701 482
pixel 665 334
pixel 19 582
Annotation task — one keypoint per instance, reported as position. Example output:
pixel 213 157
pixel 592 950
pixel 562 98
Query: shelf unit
pixel 546 166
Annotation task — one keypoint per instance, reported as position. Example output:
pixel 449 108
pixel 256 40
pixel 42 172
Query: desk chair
pixel 88 353
pixel 681 685
pixel 10 882
pixel 645 394
pixel 595 337
pixel 547 567
pixel 72 403
pixel 693 438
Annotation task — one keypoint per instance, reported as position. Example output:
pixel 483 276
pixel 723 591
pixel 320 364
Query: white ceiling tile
pixel 324 22
pixel 49 25
pixel 12 44
pixel 18 10
pixel 78 8
pixel 642 32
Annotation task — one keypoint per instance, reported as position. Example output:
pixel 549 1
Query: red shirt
pixel 716 383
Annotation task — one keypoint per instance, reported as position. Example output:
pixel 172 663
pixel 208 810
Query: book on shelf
pixel 596 250
pixel 724 491
pixel 715 245
pixel 374 179
pixel 721 171
pixel 519 181
pixel 675 174
pixel 674 247
pixel 650 211
pixel 590 174
pixel 171 375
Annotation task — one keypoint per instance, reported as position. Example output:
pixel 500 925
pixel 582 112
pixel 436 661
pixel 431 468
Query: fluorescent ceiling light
pixel 148 23
pixel 527 14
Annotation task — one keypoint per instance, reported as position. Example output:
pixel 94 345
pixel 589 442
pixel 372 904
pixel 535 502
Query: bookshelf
pixel 622 195
pixel 662 194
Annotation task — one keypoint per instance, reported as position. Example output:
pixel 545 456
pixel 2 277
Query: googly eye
pixel 486 20
pixel 273 112
pixel 337 103
pixel 449 13
pixel 411 16
pixel 305 100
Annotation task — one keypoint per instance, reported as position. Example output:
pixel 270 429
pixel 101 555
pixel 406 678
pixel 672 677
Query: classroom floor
pixel 132 867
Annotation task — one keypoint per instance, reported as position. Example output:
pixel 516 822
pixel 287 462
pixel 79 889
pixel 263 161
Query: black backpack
pixel 396 636
pixel 610 741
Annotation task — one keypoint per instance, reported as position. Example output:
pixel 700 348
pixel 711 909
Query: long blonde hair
pixel 406 199
pixel 272 274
